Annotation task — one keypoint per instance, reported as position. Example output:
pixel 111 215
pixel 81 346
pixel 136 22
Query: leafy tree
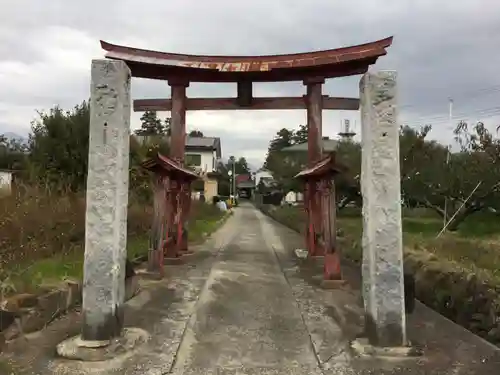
pixel 12 153
pixel 58 147
pixel 151 124
pixel 300 136
pixel 276 161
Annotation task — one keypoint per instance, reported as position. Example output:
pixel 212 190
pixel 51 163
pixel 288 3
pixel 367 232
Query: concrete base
pixel 187 253
pixel 362 347
pixel 145 274
pixel 174 261
pixel 76 349
pixel 333 284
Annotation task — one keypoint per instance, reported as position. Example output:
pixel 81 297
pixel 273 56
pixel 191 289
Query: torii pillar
pixel 314 107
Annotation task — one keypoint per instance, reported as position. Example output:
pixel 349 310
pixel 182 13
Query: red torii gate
pixel 312 68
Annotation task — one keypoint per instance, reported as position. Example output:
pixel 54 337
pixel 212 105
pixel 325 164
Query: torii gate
pixel 107 183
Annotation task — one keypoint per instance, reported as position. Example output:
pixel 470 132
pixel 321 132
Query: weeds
pixel 42 236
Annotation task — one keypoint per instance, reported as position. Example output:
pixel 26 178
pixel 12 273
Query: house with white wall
pixel 5 182
pixel 203 154
pixel 262 174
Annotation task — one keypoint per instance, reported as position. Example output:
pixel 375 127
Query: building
pixel 6 180
pixel 329 145
pixel 263 174
pixel 203 155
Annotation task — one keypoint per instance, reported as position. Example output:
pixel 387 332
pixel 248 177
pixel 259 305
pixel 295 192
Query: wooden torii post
pixel 311 68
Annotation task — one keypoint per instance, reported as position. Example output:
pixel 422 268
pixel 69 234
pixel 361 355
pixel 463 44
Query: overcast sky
pixel 441 49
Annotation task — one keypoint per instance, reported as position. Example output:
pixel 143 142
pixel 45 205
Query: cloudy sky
pixel 441 49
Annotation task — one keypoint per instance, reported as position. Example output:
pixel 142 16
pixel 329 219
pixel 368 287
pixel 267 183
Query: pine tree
pixel 151 124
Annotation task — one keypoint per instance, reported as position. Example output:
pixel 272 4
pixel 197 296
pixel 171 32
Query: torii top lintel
pixel 332 63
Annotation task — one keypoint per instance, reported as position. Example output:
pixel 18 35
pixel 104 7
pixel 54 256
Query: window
pixel 193 160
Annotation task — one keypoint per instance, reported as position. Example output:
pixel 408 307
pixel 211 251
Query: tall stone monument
pixel 383 288
pixel 107 201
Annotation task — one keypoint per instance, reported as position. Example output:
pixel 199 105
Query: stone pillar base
pixel 362 347
pixel 92 351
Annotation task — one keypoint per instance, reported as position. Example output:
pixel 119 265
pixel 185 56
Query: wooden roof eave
pixel 324 167
pixel 161 163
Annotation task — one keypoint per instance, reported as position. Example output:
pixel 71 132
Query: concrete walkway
pixel 245 305
pixel 246 316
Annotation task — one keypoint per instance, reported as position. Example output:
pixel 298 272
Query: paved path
pixel 247 316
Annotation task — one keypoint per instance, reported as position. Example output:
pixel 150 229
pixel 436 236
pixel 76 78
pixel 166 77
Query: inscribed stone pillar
pixel 107 201
pixel 383 288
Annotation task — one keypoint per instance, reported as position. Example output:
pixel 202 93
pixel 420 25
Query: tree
pixel 196 134
pixel 12 153
pixel 58 147
pixel 152 125
pixel 300 136
pixel 429 180
pixel 275 160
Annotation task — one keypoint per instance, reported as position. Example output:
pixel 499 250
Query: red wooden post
pixel 314 101
pixel 178 121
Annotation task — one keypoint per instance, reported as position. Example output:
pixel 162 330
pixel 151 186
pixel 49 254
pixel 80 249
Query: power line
pixel 468 94
pixel 484 112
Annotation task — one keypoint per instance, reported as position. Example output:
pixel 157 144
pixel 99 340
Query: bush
pixel 36 224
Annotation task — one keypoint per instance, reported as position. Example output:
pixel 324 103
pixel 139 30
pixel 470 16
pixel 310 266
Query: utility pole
pixel 234 180
pixel 447 163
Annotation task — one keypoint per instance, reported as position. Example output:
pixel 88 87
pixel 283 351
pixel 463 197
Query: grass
pixel 475 246
pixel 42 237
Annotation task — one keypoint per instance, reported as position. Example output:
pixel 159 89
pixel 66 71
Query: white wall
pixel 207 159
pixel 260 174
pixel 5 181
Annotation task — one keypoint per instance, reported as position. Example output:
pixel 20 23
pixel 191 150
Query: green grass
pixel 476 245
pixel 5 368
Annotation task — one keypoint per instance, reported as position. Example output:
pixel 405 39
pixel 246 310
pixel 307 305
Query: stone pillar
pixel 178 122
pixel 383 288
pixel 107 201
pixel 314 102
